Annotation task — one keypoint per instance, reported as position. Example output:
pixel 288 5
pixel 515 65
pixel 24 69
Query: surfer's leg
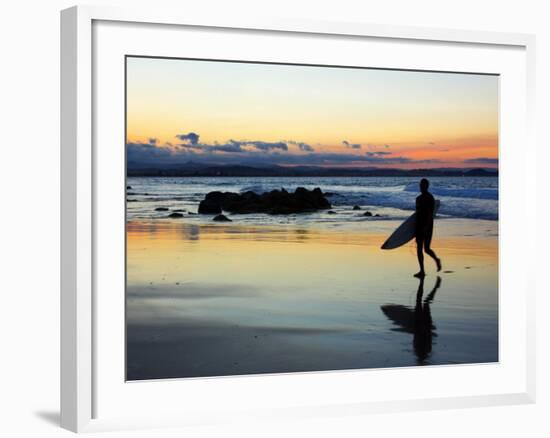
pixel 428 250
pixel 420 255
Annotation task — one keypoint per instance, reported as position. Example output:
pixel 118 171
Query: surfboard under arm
pixel 406 231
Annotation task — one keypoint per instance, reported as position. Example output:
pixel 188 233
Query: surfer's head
pixel 424 184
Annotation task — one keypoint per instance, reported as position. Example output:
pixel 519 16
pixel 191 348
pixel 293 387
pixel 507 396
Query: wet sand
pixel 213 300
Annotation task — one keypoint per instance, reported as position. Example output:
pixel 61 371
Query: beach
pixel 206 299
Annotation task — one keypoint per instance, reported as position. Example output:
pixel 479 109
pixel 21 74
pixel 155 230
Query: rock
pixel 221 218
pixel 367 213
pixel 274 202
pixel 175 215
pixel 131 200
pixel 161 209
pixel 128 187
pixel 331 212
pixel 180 210
pixel 376 215
pixel 211 204
pixel 356 207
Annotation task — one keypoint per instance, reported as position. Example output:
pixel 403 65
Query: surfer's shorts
pixel 424 235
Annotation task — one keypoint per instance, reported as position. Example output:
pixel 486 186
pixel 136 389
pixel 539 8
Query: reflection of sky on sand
pixel 218 300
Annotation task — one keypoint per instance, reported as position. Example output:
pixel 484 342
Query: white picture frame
pixel 80 170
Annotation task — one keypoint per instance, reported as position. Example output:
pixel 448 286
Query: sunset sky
pixel 181 111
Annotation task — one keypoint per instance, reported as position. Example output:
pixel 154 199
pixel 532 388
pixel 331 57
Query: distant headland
pixel 197 170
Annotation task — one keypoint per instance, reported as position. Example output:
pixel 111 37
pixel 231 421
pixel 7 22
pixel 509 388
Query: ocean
pixel 392 198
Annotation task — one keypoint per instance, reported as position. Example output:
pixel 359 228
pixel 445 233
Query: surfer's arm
pixel 418 222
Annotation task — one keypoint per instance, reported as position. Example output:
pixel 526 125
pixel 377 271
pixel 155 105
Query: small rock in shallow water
pixel 356 207
pixel 128 187
pixel 367 213
pixel 175 215
pixel 161 209
pixel 221 218
pixel 180 210
pixel 331 212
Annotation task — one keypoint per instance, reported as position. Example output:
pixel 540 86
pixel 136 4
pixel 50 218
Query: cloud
pixel 482 160
pixel 147 153
pixel 305 147
pixel 252 152
pixel 236 146
pixel 190 137
pixel 351 145
pixel 231 146
pixel 266 146
pixel 377 153
pixel 302 146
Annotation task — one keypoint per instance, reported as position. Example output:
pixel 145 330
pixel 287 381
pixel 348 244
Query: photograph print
pixel 285 218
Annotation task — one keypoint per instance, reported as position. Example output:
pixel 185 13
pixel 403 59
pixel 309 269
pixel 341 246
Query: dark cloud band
pixel 258 152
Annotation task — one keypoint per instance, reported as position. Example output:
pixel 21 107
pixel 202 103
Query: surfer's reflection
pixel 417 322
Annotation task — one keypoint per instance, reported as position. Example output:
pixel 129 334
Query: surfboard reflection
pixel 417 321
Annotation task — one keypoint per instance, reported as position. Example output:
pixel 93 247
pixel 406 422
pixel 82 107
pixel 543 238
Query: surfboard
pixel 405 232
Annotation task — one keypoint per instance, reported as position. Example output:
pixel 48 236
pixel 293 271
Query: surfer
pixel 425 204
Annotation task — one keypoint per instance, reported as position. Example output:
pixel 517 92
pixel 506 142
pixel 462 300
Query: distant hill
pixel 192 169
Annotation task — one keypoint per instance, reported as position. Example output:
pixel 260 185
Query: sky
pixel 216 112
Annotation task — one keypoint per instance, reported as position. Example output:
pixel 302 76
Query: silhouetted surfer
pixel 425 205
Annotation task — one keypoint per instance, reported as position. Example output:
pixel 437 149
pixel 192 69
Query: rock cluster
pixel 274 202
